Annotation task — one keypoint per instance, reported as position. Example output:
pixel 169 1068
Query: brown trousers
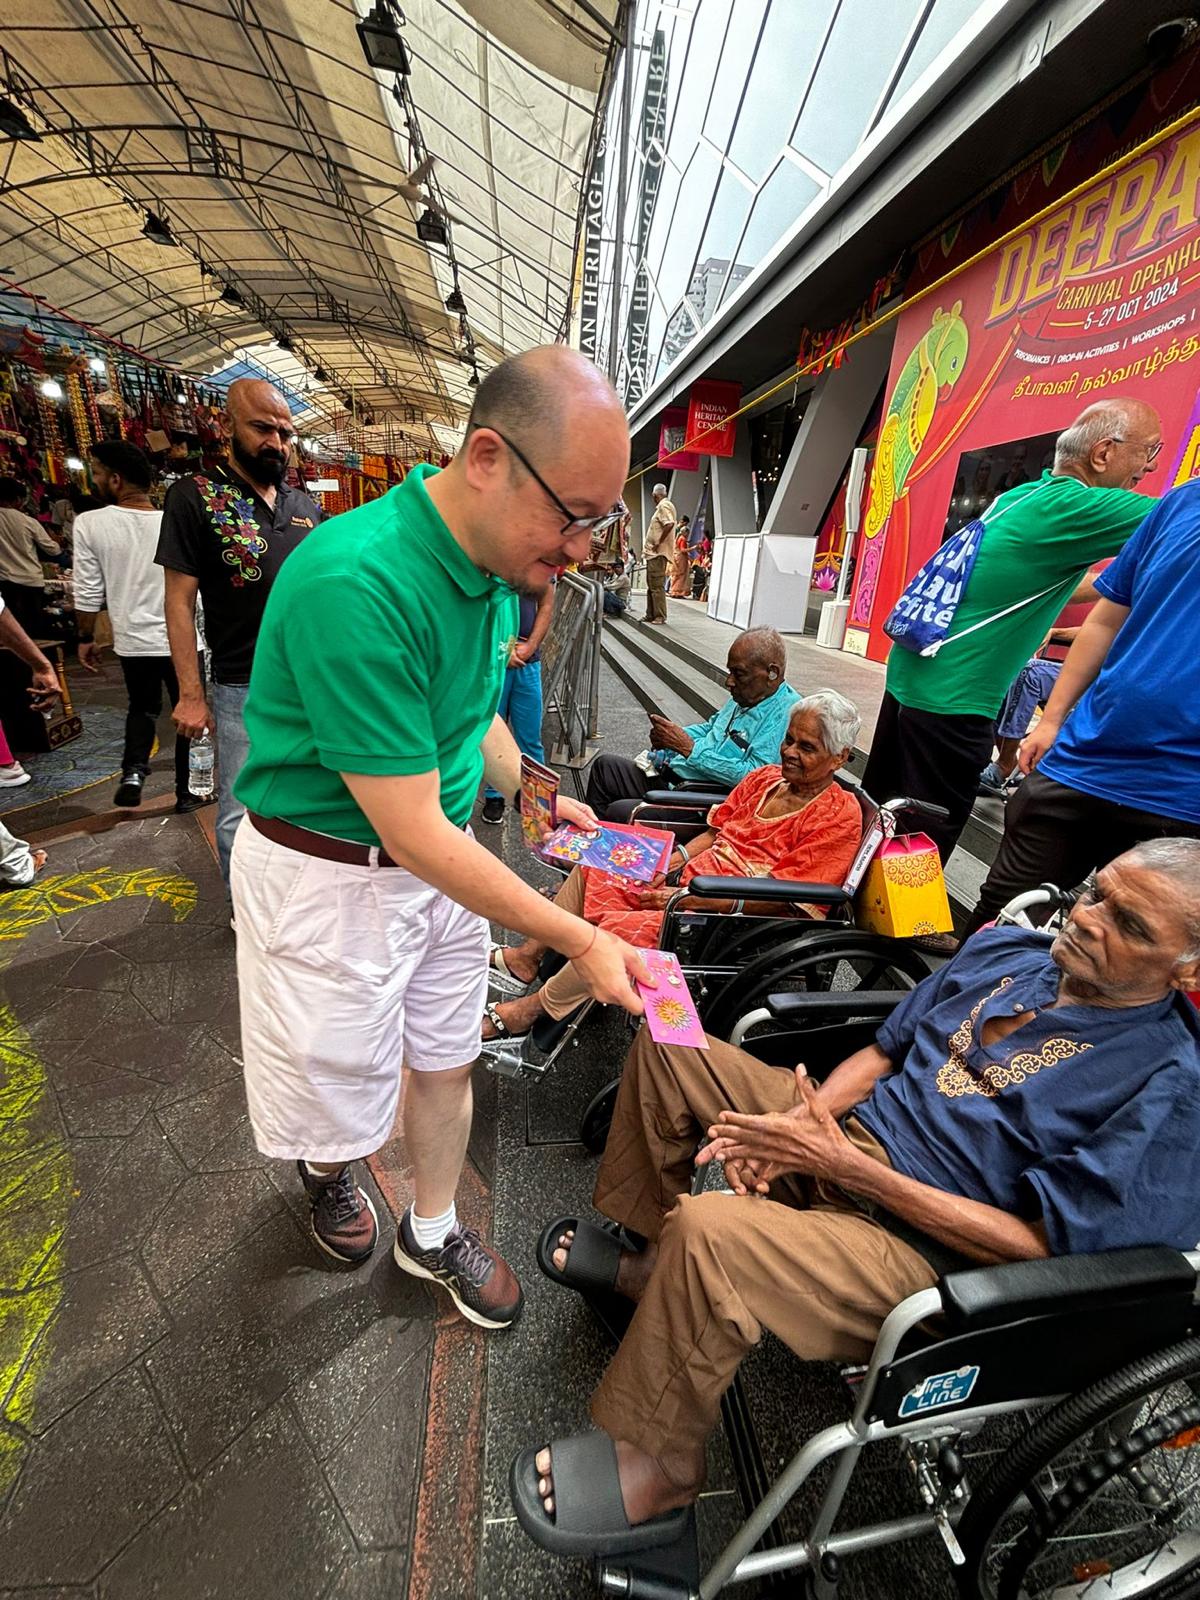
pixel 804 1263
pixel 656 588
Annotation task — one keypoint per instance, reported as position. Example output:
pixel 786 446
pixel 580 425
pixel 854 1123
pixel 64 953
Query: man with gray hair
pixel 744 734
pixel 935 728
pixel 1036 1096
pixel 656 548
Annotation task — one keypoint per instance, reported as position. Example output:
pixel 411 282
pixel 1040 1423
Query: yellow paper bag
pixel 904 892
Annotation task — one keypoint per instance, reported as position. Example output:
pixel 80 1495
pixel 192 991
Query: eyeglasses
pixel 1152 450
pixel 573 524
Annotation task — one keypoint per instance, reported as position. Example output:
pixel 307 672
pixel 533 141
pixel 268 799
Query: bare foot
pixel 518 1016
pixel 40 859
pixel 650 1486
pixel 633 1270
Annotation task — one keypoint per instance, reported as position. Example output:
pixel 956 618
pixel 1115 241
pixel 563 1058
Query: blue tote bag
pixel 921 619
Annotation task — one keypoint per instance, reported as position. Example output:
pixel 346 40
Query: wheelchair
pixel 1045 1414
pixel 733 961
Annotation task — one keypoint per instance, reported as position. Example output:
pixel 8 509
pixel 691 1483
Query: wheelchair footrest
pixel 667 1572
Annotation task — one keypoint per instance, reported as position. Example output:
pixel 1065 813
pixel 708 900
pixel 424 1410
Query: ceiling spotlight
pixel 283 342
pixel 14 124
pixel 96 364
pixel 455 301
pixel 181 398
pixel 348 402
pixel 231 296
pixel 320 375
pixel 74 464
pixel 381 41
pixel 431 228
pixel 52 389
pixel 473 380
pixel 157 230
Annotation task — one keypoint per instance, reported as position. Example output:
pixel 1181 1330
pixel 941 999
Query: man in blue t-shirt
pixel 1037 1096
pixel 1115 758
pixel 521 693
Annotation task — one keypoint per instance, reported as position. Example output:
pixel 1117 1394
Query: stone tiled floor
pixel 196 1403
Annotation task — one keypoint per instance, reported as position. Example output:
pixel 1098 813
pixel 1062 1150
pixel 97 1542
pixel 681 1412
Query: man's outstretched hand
pixel 756 1149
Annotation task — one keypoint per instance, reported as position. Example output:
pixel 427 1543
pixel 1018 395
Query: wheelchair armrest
pixel 985 1297
pixel 785 890
pixel 687 799
pixel 827 1005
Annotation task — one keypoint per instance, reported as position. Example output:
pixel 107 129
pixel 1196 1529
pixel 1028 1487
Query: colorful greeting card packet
pixel 539 807
pixel 627 852
pixel 671 1014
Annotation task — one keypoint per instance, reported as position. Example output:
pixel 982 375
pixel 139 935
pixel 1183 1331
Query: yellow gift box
pixel 904 892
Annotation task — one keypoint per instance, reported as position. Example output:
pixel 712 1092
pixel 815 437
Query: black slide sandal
pixel 589 1515
pixel 593 1273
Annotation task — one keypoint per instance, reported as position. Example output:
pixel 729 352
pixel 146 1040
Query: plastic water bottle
pixel 201 759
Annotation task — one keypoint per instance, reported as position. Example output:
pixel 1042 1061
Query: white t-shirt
pixel 114 567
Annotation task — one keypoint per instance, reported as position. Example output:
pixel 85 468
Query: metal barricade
pixel 571 671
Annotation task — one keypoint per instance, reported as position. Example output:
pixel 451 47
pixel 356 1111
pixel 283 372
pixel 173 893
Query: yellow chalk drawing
pixel 35 1165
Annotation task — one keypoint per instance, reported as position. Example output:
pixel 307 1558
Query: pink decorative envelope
pixel 671 1014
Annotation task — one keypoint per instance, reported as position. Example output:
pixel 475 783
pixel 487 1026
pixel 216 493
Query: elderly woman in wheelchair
pixel 787 822
pixel 1037 1097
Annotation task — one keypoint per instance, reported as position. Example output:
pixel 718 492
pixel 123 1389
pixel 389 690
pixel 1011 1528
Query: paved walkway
pixel 195 1402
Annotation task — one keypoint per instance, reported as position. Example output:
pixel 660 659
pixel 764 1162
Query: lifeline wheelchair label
pixel 939 1389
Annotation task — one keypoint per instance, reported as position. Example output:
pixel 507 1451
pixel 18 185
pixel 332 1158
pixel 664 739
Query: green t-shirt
pixel 382 651
pixel 1049 541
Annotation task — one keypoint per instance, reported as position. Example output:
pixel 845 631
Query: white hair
pixel 1107 419
pixel 1179 860
pixel 659 488
pixel 838 717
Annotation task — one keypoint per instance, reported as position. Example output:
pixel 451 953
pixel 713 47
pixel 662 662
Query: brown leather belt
pixel 322 845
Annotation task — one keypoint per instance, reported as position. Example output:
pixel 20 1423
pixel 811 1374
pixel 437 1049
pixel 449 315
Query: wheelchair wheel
pixel 597 1118
pixel 811 960
pixel 1101 1497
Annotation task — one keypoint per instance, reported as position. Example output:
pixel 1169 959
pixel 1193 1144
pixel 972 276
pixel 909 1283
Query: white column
pixel 830 430
pixel 732 490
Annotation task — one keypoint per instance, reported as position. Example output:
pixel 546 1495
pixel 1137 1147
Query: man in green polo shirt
pixel 935 730
pixel 361 901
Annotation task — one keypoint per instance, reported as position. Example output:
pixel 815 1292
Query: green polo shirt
pixel 1046 539
pixel 382 651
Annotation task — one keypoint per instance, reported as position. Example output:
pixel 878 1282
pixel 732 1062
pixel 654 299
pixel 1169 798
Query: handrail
pixel 571 669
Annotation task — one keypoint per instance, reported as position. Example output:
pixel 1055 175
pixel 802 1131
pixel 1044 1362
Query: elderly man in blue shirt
pixel 743 735
pixel 1039 1095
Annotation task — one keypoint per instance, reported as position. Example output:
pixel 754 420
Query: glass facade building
pixel 742 113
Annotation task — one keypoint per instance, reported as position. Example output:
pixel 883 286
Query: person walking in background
pixel 1031 688
pixel 1115 759
pixel 43 689
pixel 521 696
pixel 224 537
pixel 935 729
pixel 115 547
pixel 681 560
pixel 656 548
pixel 12 773
pixel 23 544
pixel 701 562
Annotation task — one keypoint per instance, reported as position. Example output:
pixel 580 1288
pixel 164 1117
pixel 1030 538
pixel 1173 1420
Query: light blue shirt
pixel 734 742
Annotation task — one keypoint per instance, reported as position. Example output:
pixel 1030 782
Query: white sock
pixel 430 1232
pixel 315 1172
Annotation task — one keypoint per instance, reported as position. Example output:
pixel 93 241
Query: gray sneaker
pixel 481 1283
pixel 344 1223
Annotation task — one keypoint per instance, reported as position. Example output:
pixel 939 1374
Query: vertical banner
pixel 672 434
pixel 710 405
pixel 593 217
pixel 654 127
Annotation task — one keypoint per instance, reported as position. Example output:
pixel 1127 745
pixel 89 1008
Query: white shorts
pixel 345 975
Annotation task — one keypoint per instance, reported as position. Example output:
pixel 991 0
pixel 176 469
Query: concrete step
pixel 707 665
pixel 650 664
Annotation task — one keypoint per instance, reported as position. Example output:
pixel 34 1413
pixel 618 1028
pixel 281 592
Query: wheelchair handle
pixel 710 887
pixel 925 808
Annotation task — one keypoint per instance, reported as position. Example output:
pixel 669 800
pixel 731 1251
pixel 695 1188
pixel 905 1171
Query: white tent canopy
pixel 284 169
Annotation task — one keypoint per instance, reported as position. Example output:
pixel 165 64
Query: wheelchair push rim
pixel 1101 1499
